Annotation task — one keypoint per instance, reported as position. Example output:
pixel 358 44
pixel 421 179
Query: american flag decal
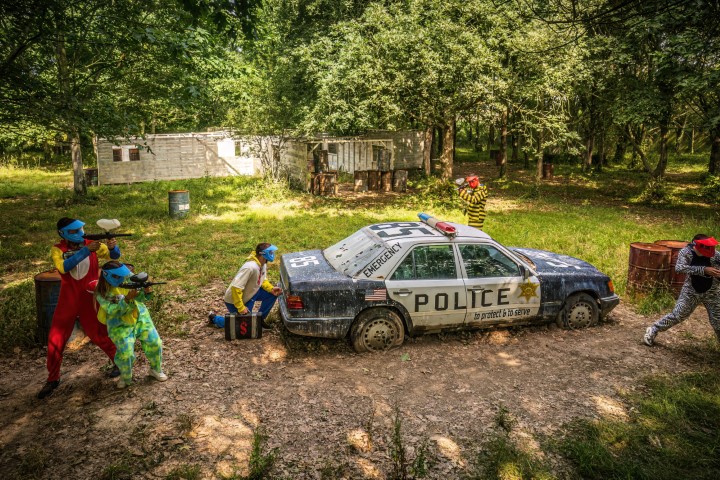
pixel 375 295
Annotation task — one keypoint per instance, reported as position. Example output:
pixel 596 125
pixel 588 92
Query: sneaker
pixel 115 372
pixel 211 318
pixel 121 384
pixel 649 337
pixel 159 376
pixel 47 389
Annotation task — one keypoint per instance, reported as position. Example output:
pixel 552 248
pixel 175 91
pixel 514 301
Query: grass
pixel 674 433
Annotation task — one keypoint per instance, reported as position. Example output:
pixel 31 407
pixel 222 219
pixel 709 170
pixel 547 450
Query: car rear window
pixel 351 255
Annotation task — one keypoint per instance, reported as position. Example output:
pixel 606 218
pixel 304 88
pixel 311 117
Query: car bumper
pixel 608 303
pixel 315 327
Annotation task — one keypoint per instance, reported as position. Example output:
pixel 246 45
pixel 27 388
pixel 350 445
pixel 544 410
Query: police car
pixel 394 279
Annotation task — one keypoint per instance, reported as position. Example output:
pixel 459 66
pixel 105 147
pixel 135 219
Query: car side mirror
pixel 525 272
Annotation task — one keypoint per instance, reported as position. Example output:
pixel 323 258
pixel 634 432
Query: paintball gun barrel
pixel 140 280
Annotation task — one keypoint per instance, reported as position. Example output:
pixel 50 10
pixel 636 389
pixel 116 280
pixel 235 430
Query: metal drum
pixel 649 266
pixel 675 279
pixel 179 201
pixel 47 292
pixel 400 180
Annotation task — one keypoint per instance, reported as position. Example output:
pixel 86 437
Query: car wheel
pixel 580 311
pixel 377 330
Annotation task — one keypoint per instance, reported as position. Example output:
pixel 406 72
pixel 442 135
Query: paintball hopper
pixel 107 225
pixel 140 280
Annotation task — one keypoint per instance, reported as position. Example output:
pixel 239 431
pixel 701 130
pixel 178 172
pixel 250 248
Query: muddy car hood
pixel 300 273
pixel 550 263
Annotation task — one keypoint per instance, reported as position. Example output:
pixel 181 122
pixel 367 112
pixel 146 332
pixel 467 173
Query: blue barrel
pixel 47 292
pixel 179 201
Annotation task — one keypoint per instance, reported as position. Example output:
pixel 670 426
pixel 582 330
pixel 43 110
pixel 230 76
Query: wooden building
pixel 195 155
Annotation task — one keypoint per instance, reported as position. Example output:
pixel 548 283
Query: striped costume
pixel 475 200
pixel 126 322
pixel 697 289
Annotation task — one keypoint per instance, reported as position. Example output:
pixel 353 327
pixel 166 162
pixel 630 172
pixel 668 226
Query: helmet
pixel 705 246
pixel 473 181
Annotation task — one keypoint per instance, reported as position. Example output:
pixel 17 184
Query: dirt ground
pixel 328 411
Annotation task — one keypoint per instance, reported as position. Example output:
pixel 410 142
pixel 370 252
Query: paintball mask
pixel 115 276
pixel 71 230
pixel 473 181
pixel 269 253
pixel 705 246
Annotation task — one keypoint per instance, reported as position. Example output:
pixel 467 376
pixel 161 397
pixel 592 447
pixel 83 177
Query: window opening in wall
pixel 332 148
pixel 117 154
pixel 134 154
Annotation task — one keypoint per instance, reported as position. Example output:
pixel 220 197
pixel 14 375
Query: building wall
pixel 173 157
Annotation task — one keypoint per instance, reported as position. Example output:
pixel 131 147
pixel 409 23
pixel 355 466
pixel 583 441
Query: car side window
pixel 427 262
pixel 482 261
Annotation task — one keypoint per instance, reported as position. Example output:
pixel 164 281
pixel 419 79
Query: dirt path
pixel 327 410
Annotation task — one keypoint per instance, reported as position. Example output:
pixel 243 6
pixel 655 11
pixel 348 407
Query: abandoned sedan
pixel 392 279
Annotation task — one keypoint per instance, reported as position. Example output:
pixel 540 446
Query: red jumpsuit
pixel 75 300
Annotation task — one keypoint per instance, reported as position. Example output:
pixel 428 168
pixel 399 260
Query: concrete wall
pixel 173 157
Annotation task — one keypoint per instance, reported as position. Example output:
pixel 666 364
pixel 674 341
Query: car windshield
pixel 352 254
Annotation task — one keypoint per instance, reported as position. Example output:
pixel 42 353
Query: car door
pixel 498 289
pixel 428 284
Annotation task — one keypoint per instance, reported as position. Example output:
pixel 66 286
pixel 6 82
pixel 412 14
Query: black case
pixel 242 326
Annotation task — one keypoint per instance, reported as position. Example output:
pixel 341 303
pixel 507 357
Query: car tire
pixel 580 311
pixel 377 330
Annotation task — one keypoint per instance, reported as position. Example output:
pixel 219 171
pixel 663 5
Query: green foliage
pixel 674 433
pixel 656 192
pixel 500 458
pixel 711 188
pixel 184 472
pixel 260 461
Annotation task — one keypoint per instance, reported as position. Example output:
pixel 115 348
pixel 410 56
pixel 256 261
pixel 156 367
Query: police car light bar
pixel 442 227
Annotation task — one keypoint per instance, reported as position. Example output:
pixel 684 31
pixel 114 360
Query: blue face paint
pixel 269 253
pixel 116 276
pixel 73 232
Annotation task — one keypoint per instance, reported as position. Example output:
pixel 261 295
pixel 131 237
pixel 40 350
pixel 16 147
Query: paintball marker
pixel 460 182
pixel 108 226
pixel 140 280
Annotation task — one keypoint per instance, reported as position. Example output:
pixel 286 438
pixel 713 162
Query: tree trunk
pixel 714 166
pixel 659 171
pixel 439 142
pixel 79 184
pixel 427 150
pixel 454 141
pixel 503 141
pixel 539 156
pixel 478 147
pixel 491 137
pixel 620 149
pixel 589 144
pixel 515 147
pixel 692 140
pixel 446 158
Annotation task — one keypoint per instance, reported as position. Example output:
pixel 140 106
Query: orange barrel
pixel 386 181
pixel 374 180
pixel 548 170
pixel 649 266
pixel 361 181
pixel 675 279
pixel 47 292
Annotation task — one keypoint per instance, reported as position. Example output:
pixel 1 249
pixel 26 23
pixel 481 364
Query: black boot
pixel 115 372
pixel 47 389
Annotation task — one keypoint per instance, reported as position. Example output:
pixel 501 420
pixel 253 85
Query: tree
pixel 97 67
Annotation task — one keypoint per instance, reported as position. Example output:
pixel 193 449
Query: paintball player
pixel 250 290
pixel 475 195
pixel 128 319
pixel 77 261
pixel 701 263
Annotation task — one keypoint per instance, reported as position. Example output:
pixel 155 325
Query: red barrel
pixel 675 279
pixel 47 292
pixel 649 266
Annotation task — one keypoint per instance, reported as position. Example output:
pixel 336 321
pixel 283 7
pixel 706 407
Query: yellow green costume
pixel 475 200
pixel 128 321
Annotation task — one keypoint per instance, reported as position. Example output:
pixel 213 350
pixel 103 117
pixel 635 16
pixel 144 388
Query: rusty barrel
pixel 47 292
pixel 400 180
pixel 649 266
pixel 386 181
pixel 374 180
pixel 361 181
pixel 548 170
pixel 675 279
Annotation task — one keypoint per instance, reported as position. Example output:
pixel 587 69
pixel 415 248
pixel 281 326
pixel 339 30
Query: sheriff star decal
pixel 528 290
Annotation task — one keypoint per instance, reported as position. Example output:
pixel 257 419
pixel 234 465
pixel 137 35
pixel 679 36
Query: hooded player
pixel 77 261
pixel 250 290
pixel 475 195
pixel 701 263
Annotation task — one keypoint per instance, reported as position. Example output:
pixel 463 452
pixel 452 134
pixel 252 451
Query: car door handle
pixel 475 289
pixel 402 292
